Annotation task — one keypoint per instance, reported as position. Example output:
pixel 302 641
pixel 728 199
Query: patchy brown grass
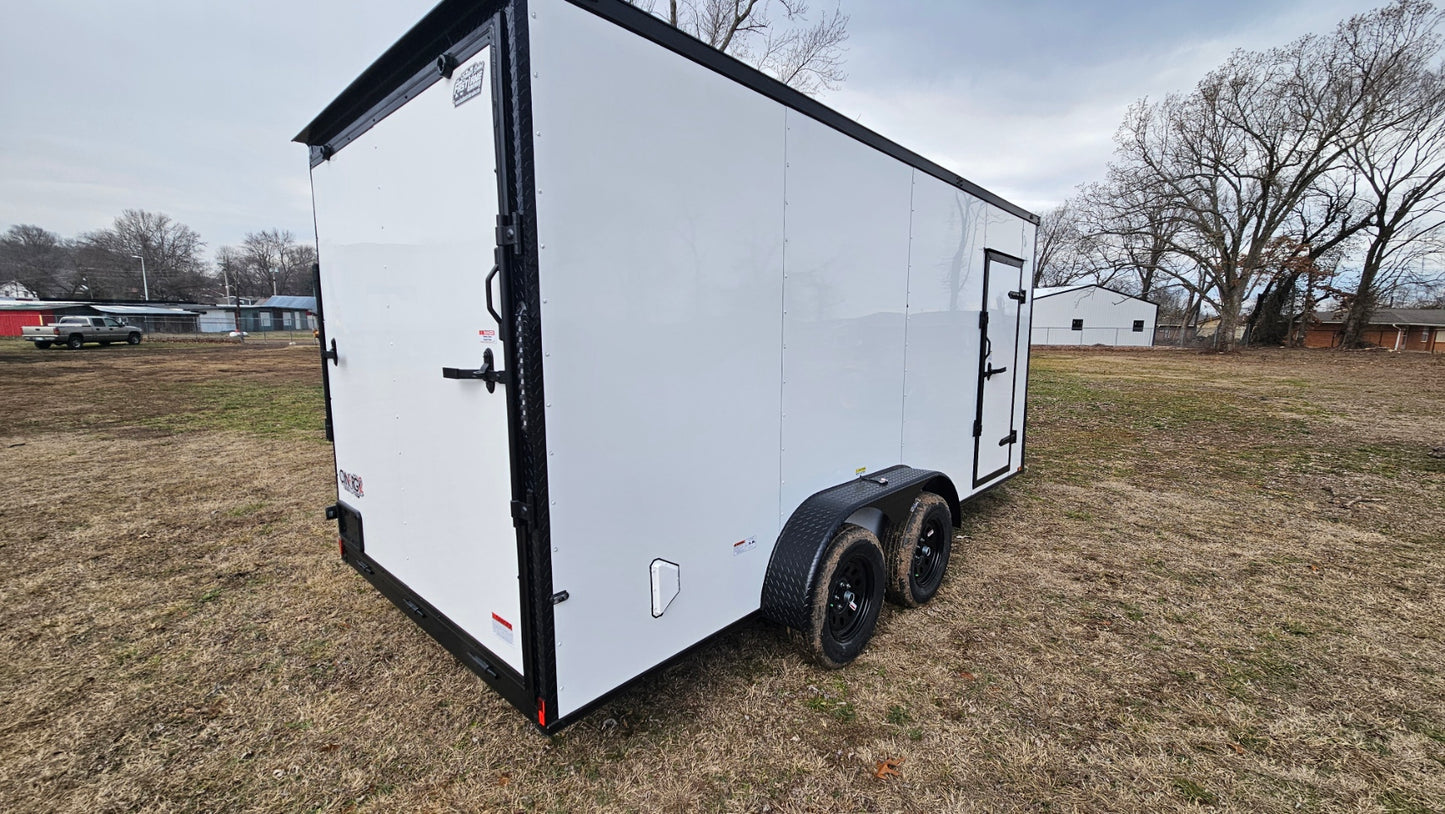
pixel 1218 586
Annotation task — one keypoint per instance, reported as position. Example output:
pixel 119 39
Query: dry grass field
pixel 1220 586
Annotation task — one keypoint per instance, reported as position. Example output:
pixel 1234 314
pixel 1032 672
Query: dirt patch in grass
pixel 1217 586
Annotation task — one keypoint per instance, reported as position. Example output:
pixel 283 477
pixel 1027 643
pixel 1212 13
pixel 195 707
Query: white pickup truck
pixel 73 332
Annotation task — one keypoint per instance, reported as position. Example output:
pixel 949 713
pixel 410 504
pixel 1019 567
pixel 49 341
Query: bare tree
pixel 36 258
pixel 1234 159
pixel 1294 269
pixel 1402 166
pixel 109 260
pixel 1059 249
pixel 231 265
pixel 267 262
pixel 1126 230
pixel 778 37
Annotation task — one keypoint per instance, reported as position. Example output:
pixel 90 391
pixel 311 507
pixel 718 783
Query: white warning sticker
pixel 469 84
pixel 744 546
pixel 502 628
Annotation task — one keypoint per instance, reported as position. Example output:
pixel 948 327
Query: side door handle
pixel 991 371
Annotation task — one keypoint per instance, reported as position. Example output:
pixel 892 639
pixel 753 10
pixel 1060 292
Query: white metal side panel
pixel 659 218
pixel 845 292
pixel 405 219
pixel 945 290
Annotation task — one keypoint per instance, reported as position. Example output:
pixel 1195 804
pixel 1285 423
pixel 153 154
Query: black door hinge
pixel 522 511
pixel 481 664
pixel 977 427
pixel 1011 438
pixel 983 319
pixel 330 354
pixel 508 231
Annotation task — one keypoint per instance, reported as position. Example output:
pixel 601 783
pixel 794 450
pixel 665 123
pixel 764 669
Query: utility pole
pixel 144 285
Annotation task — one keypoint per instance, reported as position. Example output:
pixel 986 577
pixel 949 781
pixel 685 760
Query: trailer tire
pixel 42 345
pixel 132 339
pixel 849 597
pixel 75 341
pixel 917 551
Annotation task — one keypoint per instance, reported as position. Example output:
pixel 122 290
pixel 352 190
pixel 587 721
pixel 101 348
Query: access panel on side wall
pixel 405 217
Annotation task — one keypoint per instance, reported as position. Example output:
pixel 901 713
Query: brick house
pixel 1406 329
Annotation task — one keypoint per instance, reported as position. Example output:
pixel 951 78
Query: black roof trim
pixel 451 21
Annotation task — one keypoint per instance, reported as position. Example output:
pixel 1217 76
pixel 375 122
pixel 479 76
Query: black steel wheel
pixel 847 597
pixel 918 550
pixel 74 342
pixel 132 339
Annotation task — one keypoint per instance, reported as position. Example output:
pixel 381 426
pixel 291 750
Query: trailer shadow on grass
pixel 1217 585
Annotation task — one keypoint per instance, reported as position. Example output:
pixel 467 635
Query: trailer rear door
pixel 405 220
pixel 995 436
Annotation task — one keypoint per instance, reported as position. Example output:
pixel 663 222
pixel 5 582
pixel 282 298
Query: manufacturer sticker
pixel 487 335
pixel 502 628
pixel 469 84
pixel 860 470
pixel 744 546
pixel 351 482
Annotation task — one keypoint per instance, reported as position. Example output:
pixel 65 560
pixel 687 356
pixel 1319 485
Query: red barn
pixel 13 317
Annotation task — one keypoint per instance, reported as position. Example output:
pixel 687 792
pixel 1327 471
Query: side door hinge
pixel 522 511
pixel 977 427
pixel 982 319
pixel 509 228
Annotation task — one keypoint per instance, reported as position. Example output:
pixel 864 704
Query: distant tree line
pixel 106 263
pixel 1309 172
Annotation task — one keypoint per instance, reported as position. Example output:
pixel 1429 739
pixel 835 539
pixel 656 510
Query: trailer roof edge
pixel 453 20
pixel 448 23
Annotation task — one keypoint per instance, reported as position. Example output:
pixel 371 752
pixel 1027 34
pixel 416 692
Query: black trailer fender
pixel 875 501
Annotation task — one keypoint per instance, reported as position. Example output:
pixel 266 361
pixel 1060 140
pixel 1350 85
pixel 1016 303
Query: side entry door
pixel 995 435
pixel 406 224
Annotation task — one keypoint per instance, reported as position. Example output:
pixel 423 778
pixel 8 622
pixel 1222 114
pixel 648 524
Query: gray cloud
pixel 188 108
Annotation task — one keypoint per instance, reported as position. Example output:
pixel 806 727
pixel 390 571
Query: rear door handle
pixel 487 372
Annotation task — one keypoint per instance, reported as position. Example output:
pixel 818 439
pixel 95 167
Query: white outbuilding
pixel 1091 315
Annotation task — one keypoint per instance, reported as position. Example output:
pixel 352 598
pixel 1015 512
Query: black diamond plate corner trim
pixel 789 585
pixel 526 330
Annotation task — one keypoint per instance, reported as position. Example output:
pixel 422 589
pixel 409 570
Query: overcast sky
pixel 188 107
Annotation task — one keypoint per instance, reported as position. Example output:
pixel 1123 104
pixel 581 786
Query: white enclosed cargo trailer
pixel 625 342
